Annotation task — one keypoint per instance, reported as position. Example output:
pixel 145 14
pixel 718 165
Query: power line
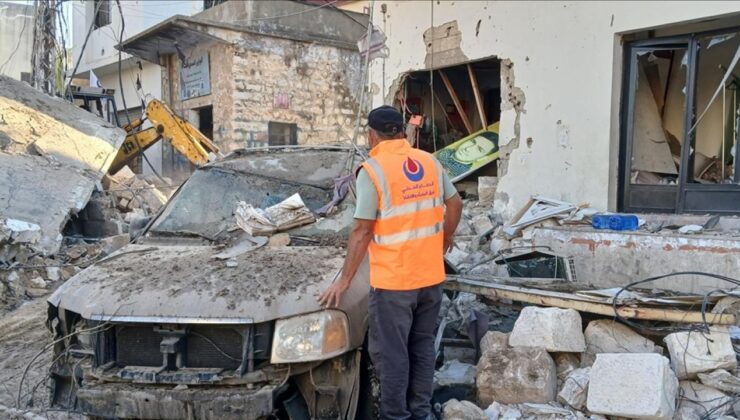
pixel 82 50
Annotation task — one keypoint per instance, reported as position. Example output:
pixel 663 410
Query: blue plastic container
pixel 615 221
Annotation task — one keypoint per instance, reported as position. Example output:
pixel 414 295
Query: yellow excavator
pixel 182 135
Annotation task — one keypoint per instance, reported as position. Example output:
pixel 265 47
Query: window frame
pixel 99 13
pixel 685 196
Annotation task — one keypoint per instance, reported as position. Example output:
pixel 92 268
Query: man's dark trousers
pixel 401 347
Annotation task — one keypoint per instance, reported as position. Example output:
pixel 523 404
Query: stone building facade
pixel 290 82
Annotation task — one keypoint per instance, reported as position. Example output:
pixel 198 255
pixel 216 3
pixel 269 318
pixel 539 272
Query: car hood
pixel 186 284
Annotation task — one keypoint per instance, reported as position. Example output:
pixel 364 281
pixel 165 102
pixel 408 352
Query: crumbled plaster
pixel 512 98
pixel 390 95
pixel 443 46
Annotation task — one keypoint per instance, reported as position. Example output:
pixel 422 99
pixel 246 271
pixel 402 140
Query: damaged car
pixel 198 319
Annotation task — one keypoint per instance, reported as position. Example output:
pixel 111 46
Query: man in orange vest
pixel 407 211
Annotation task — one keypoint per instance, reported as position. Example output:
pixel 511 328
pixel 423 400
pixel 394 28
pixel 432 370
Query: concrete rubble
pixel 699 401
pixel 462 410
pixel 721 380
pixel 575 388
pixel 554 329
pixel 608 336
pixel 516 375
pixel 694 352
pixel 61 211
pixel 632 385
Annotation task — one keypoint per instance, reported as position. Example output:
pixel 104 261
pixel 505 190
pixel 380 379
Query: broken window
pixel 715 133
pixel 454 113
pixel 102 13
pixel 657 125
pixel 680 124
pixel 282 134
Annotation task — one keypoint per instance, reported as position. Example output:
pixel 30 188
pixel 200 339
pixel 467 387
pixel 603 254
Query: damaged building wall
pixel 558 121
pixel 257 79
pixel 311 85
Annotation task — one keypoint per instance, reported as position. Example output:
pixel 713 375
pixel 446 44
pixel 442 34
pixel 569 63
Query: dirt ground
pixel 23 334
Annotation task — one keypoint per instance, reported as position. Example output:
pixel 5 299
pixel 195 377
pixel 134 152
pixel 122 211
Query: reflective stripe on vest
pixel 385 190
pixel 407 235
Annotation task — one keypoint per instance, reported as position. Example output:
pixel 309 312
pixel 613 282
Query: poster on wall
pixel 195 78
pixel 467 155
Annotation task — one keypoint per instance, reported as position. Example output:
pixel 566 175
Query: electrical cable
pixel 82 52
pixel 105 325
pixel 123 95
pixel 431 74
pixel 705 326
pixel 211 342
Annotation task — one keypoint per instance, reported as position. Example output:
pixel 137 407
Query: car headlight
pixel 305 338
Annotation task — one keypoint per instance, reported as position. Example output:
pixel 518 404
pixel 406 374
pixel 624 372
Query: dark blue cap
pixel 385 119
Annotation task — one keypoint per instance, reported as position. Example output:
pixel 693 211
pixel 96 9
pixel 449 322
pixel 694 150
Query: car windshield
pixel 204 206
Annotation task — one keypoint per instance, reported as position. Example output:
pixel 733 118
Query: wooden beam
pixel 478 100
pixel 456 101
pixel 571 301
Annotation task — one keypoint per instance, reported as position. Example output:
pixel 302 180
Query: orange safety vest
pixel 406 250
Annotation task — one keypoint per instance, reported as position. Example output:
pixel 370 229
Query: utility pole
pixel 43 58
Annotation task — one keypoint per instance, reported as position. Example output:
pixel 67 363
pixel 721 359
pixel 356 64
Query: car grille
pixel 243 347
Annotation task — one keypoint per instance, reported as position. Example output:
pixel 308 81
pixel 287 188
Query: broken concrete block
pixel 516 375
pixel 463 228
pixel 722 380
pixel 455 373
pixel 487 189
pixel 554 329
pixel 494 342
pixel 575 388
pixel 112 244
pixel 38 283
pixel 53 273
pixel 632 385
pixel 608 336
pixel 462 410
pixel 454 380
pixel 566 363
pixel 497 411
pixel 456 257
pixel 700 401
pixel 123 176
pixel 482 224
pixel 693 352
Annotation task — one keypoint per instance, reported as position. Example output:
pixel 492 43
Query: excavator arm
pixel 183 136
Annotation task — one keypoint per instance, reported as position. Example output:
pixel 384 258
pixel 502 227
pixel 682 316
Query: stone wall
pixel 317 84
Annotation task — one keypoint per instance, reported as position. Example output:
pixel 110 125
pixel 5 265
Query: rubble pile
pixel 550 367
pixel 59 210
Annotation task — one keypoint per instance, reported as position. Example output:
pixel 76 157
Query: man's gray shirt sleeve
pixel 367 197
